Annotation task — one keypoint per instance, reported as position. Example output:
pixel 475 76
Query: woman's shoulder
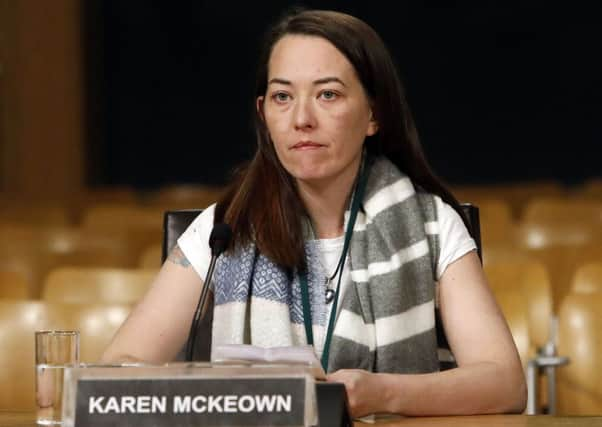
pixel 206 216
pixel 197 233
pixel 454 238
pixel 194 242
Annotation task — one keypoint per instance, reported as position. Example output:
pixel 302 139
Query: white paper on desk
pixel 373 418
pixel 303 354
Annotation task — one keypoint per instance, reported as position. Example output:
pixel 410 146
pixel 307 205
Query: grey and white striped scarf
pixel 387 321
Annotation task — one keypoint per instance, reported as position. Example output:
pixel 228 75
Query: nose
pixel 304 116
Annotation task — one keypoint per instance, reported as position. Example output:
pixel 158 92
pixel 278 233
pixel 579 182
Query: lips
pixel 306 145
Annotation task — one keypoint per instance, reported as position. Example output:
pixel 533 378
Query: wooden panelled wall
pixel 41 98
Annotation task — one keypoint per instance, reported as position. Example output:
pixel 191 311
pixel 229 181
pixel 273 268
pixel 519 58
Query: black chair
pixel 332 407
pixel 176 222
pixel 471 213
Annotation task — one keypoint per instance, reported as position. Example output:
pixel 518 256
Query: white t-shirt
pixel 454 242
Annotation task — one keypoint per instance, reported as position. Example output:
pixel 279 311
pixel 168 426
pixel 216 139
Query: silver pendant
pixel 328 296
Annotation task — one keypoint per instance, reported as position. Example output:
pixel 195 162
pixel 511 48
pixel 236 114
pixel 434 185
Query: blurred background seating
pixel 580 338
pixel 34 250
pixel 18 322
pixel 182 196
pixel 516 194
pixel 151 256
pixel 14 284
pixel 140 225
pixel 20 210
pixel 100 285
pixel 530 282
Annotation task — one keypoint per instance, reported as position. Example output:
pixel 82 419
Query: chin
pixel 309 176
pixel 313 177
pixel 308 171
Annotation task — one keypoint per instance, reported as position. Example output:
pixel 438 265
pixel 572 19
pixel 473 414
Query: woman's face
pixel 315 109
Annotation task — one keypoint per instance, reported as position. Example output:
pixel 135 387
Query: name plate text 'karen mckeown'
pixel 191 401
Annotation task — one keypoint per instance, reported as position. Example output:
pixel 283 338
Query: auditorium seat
pixel 563 210
pixel 580 338
pixel 516 311
pixel 38 249
pixel 111 216
pixel 14 284
pixel 531 280
pixel 141 225
pixel 184 196
pixel 497 225
pixel 560 248
pixel 588 278
pixel 89 197
pixel 515 194
pixel 18 322
pixel 101 285
pixel 151 257
pixel 18 210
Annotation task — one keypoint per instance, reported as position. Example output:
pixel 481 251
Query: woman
pixel 343 238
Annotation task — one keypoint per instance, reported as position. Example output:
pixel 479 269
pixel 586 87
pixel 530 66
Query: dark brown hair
pixel 263 205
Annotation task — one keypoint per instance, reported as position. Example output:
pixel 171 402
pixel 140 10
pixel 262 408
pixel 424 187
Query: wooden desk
pixel 28 419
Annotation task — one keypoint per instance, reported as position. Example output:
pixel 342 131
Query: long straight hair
pixel 262 205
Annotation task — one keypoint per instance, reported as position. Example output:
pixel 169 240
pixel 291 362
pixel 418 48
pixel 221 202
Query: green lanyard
pixel 355 206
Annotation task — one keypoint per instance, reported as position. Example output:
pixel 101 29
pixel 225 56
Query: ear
pixel 372 125
pixel 259 106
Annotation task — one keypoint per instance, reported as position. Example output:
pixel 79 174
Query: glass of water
pixel 55 351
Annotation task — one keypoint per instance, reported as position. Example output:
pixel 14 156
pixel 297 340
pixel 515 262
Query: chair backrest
pixel 184 196
pixel 531 280
pixel 37 250
pixel 588 278
pixel 34 212
pixel 563 210
pixel 176 222
pixel 14 284
pixel 474 225
pixel 18 322
pixel 516 194
pixel 100 285
pixel 516 312
pixel 140 224
pixel 112 216
pixel 579 385
pixel 562 261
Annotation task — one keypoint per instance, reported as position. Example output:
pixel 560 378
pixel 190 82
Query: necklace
pixel 329 292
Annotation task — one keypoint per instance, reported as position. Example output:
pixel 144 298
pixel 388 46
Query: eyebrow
pixel 315 82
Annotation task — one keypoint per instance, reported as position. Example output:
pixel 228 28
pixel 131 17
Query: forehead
pixel 299 56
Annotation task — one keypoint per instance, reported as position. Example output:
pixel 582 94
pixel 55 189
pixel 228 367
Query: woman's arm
pixel 158 326
pixel 489 377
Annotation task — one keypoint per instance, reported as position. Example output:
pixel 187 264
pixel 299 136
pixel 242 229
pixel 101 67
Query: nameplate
pixel 188 400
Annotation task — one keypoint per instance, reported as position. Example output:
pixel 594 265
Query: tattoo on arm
pixel 177 257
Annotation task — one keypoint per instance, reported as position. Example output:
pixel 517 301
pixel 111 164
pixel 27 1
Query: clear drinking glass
pixel 55 350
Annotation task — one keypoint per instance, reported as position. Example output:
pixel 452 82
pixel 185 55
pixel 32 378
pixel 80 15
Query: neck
pixel 326 202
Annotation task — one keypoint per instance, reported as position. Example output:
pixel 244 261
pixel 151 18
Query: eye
pixel 329 95
pixel 281 97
